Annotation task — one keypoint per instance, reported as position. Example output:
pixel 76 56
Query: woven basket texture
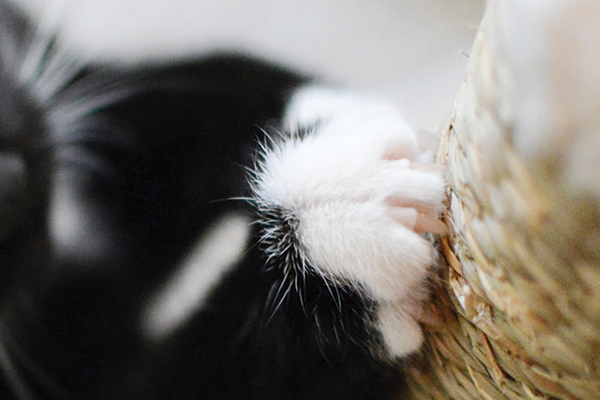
pixel 517 300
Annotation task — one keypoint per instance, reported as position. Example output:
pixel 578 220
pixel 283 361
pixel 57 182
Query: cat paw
pixel 360 199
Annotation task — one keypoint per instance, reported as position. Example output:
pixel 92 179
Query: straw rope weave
pixel 517 305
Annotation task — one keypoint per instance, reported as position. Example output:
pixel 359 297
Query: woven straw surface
pixel 517 305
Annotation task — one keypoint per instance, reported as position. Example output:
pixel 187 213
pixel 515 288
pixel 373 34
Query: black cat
pixel 211 229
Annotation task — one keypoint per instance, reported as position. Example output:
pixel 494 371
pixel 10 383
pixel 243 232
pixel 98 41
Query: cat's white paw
pixel 361 204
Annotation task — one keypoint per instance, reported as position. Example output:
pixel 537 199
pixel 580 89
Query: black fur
pixel 153 154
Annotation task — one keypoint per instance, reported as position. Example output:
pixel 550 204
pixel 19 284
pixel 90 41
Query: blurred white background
pixel 412 52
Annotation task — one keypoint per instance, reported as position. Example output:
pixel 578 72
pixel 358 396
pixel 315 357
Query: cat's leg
pixel 345 196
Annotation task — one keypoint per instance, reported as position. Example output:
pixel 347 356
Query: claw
pixel 428 167
pixel 405 216
pixel 415 215
pixel 417 221
pixel 403 202
pixel 428 224
pixel 398 152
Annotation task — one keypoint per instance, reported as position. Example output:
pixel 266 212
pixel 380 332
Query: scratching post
pixel 516 307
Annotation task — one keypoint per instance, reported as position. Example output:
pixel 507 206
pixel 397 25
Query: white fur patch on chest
pixel 189 287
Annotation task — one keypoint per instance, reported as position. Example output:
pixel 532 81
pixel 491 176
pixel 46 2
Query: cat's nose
pixel 13 192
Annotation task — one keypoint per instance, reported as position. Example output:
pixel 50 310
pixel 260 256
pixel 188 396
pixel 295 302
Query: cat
pixel 211 228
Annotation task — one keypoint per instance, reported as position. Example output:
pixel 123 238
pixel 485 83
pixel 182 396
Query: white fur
pixel 338 182
pixel 401 331
pixel 314 103
pixel 189 287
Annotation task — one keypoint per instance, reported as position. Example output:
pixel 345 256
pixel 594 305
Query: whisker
pixel 283 298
